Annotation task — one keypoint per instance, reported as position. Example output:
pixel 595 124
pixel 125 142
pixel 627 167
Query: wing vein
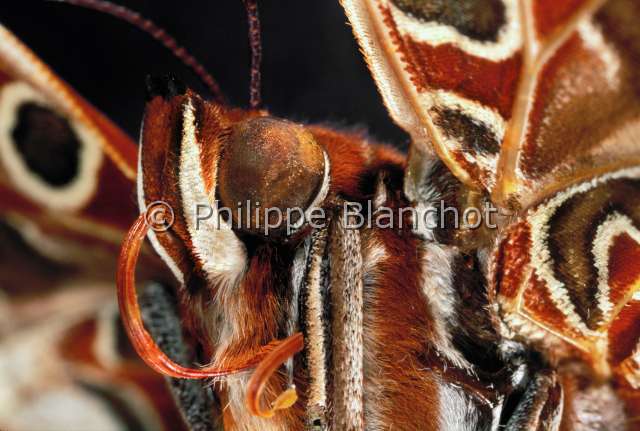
pixel 535 57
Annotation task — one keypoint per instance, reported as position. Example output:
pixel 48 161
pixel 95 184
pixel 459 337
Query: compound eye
pixel 277 168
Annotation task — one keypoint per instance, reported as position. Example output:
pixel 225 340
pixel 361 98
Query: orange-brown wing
pixel 566 278
pixel 66 364
pixel 519 98
pixel 578 113
pixel 66 171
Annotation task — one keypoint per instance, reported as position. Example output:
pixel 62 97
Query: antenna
pixel 255 41
pixel 159 34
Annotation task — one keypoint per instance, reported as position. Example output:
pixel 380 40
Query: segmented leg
pixel 161 318
pixel 540 408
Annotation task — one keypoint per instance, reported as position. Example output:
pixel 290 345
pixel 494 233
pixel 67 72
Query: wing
pixel 65 170
pixel 519 98
pixel 92 377
pixel 566 278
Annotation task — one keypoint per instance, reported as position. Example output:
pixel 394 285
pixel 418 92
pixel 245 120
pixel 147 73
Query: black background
pixel 312 69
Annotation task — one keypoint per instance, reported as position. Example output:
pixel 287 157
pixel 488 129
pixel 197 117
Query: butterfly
pixel 392 311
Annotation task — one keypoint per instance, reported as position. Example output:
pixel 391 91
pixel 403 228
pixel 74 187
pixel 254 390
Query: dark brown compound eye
pixel 271 171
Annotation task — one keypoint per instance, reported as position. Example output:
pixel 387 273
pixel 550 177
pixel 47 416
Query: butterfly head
pixel 255 173
pixel 240 186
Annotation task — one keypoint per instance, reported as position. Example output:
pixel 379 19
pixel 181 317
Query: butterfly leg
pixel 540 407
pixel 160 314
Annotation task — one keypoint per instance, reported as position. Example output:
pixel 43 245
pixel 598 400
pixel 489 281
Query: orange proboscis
pixel 269 365
pixel 267 360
